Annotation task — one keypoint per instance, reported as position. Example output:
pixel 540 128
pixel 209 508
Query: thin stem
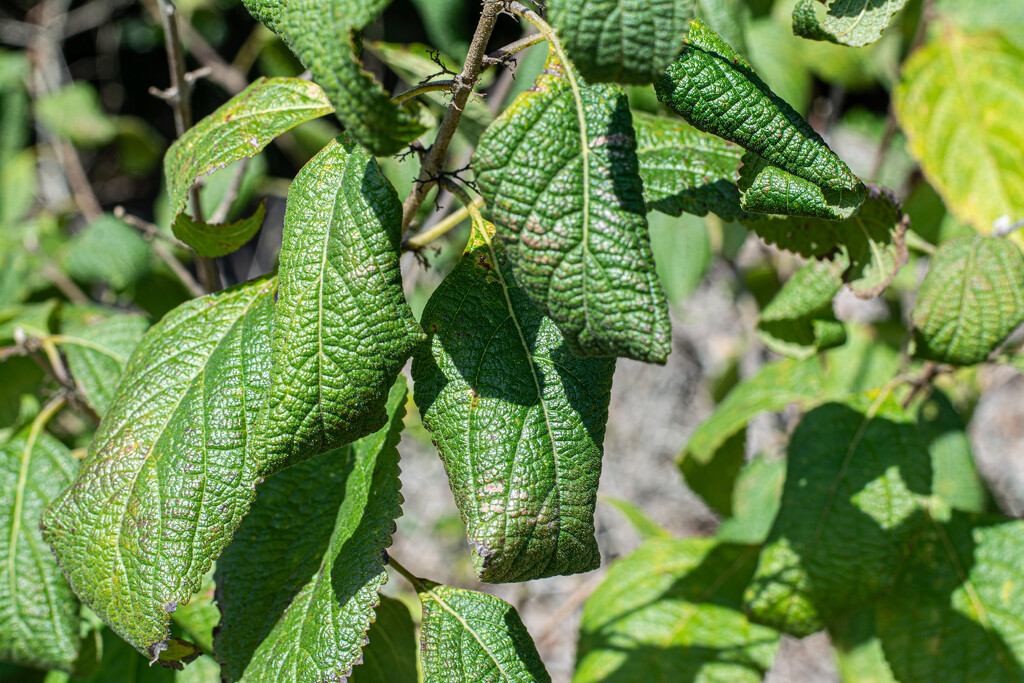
pixel 420 240
pixel 421 89
pixel 433 161
pixel 472 206
pixel 502 54
pixel 406 574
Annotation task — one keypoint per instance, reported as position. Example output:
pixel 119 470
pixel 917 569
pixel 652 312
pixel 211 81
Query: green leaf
pixel 299 582
pixel 685 170
pixel 766 188
pixel 954 614
pixel 717 91
pixel 97 354
pixel 38 611
pixel 560 175
pixel 800 321
pixel 518 419
pixel 221 239
pixel 622 41
pixel 682 252
pixel 74 112
pixel 267 12
pixel 121 663
pixel 369 115
pixel 390 656
pixel 756 501
pixel 870 245
pixel 107 250
pixel 471 636
pixel 17 187
pixel 241 128
pixel 198 618
pixel 970 301
pixel 342 327
pixel 959 102
pixel 167 477
pixel 644 526
pixel 728 18
pixel 859 655
pixel 33 320
pixel 672 611
pixel 847 22
pixel 955 479
pixel 1005 16
pixel 437 21
pixel 856 473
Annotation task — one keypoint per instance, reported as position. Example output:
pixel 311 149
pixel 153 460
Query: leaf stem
pixel 406 574
pixel 421 89
pixel 420 240
pixel 433 160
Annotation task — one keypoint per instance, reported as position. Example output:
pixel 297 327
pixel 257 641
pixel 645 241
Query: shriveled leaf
pixel 800 321
pixel 959 102
pixel 360 103
pixel 954 614
pixel 672 611
pixel 685 170
pixel 221 239
pixel 390 656
pixel 846 22
pixel 717 91
pixel 471 636
pixel 241 128
pixel 518 419
pixel 298 584
pixel 756 501
pixel 955 479
pixel 766 188
pixel 38 611
pixel 97 354
pixel 970 301
pixel 560 175
pixel 342 327
pixel 856 476
pixel 623 41
pixel 870 245
pixel 170 472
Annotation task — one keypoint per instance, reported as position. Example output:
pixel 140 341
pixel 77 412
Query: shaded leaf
pixel 685 170
pixel 298 585
pixel 756 501
pixel 766 188
pixel 856 474
pixel 221 239
pixel 970 301
pixel 97 354
pixel 800 321
pixel 390 656
pixel 621 41
pixel 954 614
pixel 518 419
pixel 859 655
pixel 560 175
pixel 682 252
pixel 959 101
pixel 239 129
pixel 342 327
pixel 955 479
pixel 717 91
pixel 169 475
pixel 672 611
pixel 471 636
pixel 121 663
pixel 846 22
pixel 38 611
pixel 360 103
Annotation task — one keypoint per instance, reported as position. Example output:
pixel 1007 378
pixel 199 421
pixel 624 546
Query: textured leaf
pixel 221 239
pixel 671 612
pixel 168 477
pixel 241 128
pixel 299 582
pixel 685 170
pixel 97 354
pixel 38 611
pixel 970 301
pixel 766 188
pixel 800 321
pixel 470 636
pixel 390 656
pixel 107 250
pixel 717 91
pixel 847 22
pixel 855 476
pixel 560 175
pixel 342 327
pixel 267 12
pixel 955 479
pixel 518 419
pixel 954 614
pixel 959 102
pixel 624 41
pixel 870 245
pixel 755 501
pixel 366 110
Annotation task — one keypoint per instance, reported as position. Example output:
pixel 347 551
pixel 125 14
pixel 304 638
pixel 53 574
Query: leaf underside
pixel 847 22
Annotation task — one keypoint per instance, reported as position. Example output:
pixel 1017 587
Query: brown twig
pixel 433 161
